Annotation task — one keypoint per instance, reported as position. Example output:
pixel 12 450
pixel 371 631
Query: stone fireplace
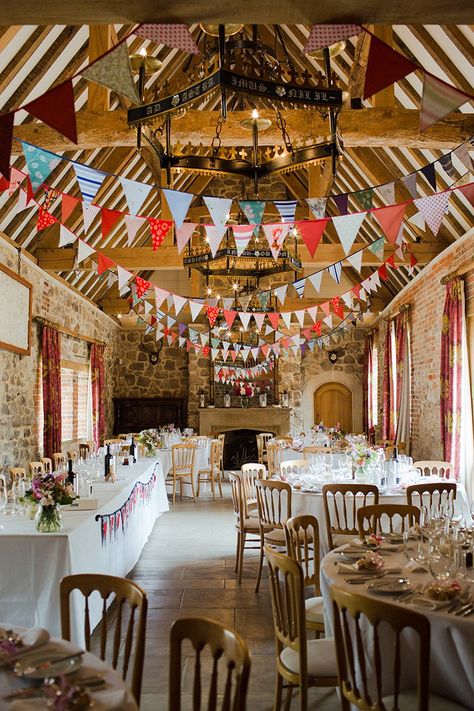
pixel 212 421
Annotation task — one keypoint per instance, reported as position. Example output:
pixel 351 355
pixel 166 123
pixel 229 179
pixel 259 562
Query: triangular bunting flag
pixel 159 230
pixel 317 205
pixel 462 153
pixel 184 234
pixel 377 248
pixel 383 273
pixel 136 193
pixel 335 271
pixel 68 204
pixel 311 232
pixel 104 263
pixel 40 164
pixel 195 309
pixel 287 209
pixel 219 209
pixel 342 202
pixel 245 318
pixel 89 181
pixel 113 70
pixel 109 218
pixel 387 192
pixel 446 162
pixel 274 319
pixel 45 219
pixel 384 67
pixel 280 293
pixel 347 227
pixel 16 176
pixel 315 280
pixel 355 260
pixel 300 316
pixel 22 201
pixel 176 36
pixel 299 287
pixel 468 192
pixel 179 302
pixel 229 317
pixel 132 224
pixel 214 235
pixel 212 313
pixel 286 316
pixel 390 219
pixel 325 307
pixel 438 100
pixel 65 236
pixel 312 311
pixel 242 235
pixel 56 108
pixel 178 204
pixel 417 220
pixel 324 35
pixel 6 134
pixel 430 174
pixel 142 286
pixel 409 182
pixel 433 208
pixel 275 235
pixel 365 198
pixel 123 276
pixel 83 251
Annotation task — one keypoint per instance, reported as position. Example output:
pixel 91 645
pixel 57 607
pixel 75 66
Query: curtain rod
pixel 67 331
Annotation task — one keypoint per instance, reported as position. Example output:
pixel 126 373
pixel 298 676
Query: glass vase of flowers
pixel 363 459
pixel 49 491
pixel 150 441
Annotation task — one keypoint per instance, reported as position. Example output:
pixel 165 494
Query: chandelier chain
pixel 281 123
pixel 216 142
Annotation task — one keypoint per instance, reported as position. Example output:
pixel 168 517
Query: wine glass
pixel 443 561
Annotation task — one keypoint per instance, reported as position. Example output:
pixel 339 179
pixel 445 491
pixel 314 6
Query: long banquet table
pixel 32 564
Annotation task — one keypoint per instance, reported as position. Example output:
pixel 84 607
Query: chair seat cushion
pixel 408 701
pixel 321 658
pixel 338 539
pixel 251 525
pixel 277 537
pixel 314 609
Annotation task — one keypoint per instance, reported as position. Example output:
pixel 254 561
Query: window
pixel 75 401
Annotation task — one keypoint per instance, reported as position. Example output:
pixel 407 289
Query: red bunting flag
pixel 274 318
pixel 56 108
pixel 6 134
pixel 311 232
pixel 29 190
pixel 356 290
pixel 325 307
pixel 384 67
pixel 390 218
pixel 205 351
pixel 4 184
pixel 337 307
pixel 68 203
pixel 159 230
pixel 468 192
pixel 316 327
pixel 45 219
pixel 142 286
pixel 383 273
pixel 104 263
pixel 229 317
pixel 391 261
pixel 413 260
pixel 109 218
pixel 212 313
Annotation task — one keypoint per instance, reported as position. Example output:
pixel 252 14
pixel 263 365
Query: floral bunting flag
pixel 176 36
pixel 365 198
pixel 109 218
pixel 178 203
pixel 45 219
pixel 336 307
pixel 253 211
pixel 56 109
pixel 377 248
pixel 342 202
pixel 438 100
pixel 311 232
pixel 133 224
pixel 287 209
pixel 433 208
pixel 315 280
pixel 275 234
pixel 324 35
pixel 104 263
pixel 113 70
pixel 159 230
pixel 242 236
pixel 263 297
pixel 6 135
pixel 347 227
pixel 212 313
pixel 40 164
pixel 317 205
pixel 136 193
pixel 89 179
pixel 219 209
pixel 142 286
pixel 390 219
pixel 214 235
pixel 384 67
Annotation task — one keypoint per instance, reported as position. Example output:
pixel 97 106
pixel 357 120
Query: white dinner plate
pixel 388 587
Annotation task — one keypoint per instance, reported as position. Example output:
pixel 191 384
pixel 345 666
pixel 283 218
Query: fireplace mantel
pixel 260 419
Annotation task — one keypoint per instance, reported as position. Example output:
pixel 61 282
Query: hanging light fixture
pixel 213 30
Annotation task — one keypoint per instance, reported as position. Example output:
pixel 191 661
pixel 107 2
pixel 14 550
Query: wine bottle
pixel 133 452
pixel 395 454
pixel 107 461
pixel 70 474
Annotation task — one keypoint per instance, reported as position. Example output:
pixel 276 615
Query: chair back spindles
pixel 302 544
pixel 273 502
pixel 229 653
pixel 36 468
pixel 59 459
pixel 47 464
pixel 250 473
pixel 372 519
pixel 182 457
pixel 16 474
pixel 434 468
pixel 122 592
pixel 341 502
pixel 293 466
pixel 432 495
pixel 275 456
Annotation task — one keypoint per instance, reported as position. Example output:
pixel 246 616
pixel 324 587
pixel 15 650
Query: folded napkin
pixel 348 568
pixel 31 638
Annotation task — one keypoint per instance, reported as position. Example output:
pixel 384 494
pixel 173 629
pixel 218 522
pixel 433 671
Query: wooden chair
pixel 369 518
pixel 302 544
pixel 227 649
pixel 71 455
pixel 299 662
pixel 434 468
pixel 221 438
pixel 367 629
pixel 385 443
pixel 36 468
pixel 274 509
pixel 213 473
pixel 84 450
pixel 249 474
pixel 123 436
pixel 112 440
pixel 182 456
pixel 3 484
pixel 275 456
pixel 293 466
pixel 341 502
pixel 244 526
pixel 121 591
pixel 262 439
pixel 432 495
pixel 16 474
pixel 59 460
pixel 48 464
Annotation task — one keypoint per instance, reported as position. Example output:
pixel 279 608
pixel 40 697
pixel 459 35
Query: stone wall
pixel 20 416
pixel 425 295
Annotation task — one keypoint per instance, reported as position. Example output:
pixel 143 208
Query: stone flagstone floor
pixel 187 569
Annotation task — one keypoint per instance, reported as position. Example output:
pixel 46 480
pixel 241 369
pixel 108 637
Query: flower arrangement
pixel 362 455
pixel 371 561
pixel 50 490
pixel 150 440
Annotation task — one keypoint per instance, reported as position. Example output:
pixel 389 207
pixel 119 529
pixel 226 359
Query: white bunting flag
pixel 219 209
pixel 21 202
pixel 195 308
pixel 160 296
pixel 433 208
pixel 214 235
pixel 259 318
pixel 312 311
pixel 178 204
pixel 328 320
pixel 83 251
pixel 355 260
pixel 184 234
pixel 347 299
pixel 286 316
pixel 347 227
pixel 417 220
pixel 315 280
pixel 275 235
pixel 136 193
pixel 88 214
pixel 245 318
pixel 66 236
pixel 178 302
pixel 300 316
pixel 123 277
pixel 132 224
pixel 280 293
pixel 387 192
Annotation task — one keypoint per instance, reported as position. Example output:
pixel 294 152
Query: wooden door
pixel 333 404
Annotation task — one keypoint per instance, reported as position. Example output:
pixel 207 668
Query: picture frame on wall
pixel 15 312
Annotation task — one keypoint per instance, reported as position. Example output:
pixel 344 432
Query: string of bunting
pixel 118 520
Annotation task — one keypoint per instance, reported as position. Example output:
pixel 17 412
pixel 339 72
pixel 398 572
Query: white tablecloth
pixel 32 564
pixel 312 503
pixel 114 696
pixel 452 651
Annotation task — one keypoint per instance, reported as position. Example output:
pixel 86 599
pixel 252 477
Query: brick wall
pixel 426 298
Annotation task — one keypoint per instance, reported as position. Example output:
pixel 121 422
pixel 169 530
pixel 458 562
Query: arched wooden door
pixel 332 405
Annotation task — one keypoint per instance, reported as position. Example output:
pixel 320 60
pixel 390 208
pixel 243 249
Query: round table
pixel 452 653
pixel 114 696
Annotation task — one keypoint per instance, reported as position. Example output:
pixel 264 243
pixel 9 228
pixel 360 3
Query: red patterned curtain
pixel 451 372
pixel 388 395
pixel 368 384
pixel 51 376
pixel 98 384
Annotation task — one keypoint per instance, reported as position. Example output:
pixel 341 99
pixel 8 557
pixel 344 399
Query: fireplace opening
pixel 240 447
